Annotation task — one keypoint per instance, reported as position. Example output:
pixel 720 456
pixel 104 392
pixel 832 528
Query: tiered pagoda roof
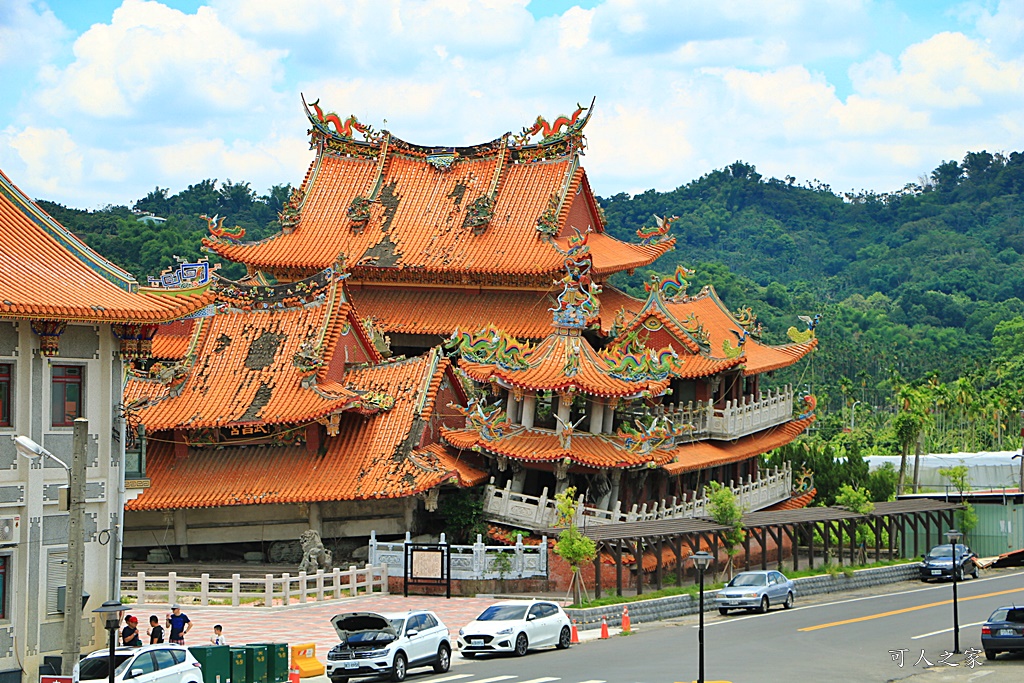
pixel 374 456
pixel 267 354
pixel 490 213
pixel 47 273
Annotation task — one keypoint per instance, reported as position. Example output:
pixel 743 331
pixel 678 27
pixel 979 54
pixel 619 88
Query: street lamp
pixel 853 413
pixel 701 561
pixel 73 591
pixel 112 610
pixel 954 537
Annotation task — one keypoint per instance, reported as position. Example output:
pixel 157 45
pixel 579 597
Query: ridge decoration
pixel 443 160
pixel 359 211
pixel 799 337
pixel 490 345
pixel 547 224
pixel 643 365
pixel 646 438
pixel 491 423
pixel 674 287
pixel 342 129
pixel 49 332
pixel 217 229
pixel 185 274
pixel 658 233
pixel 288 217
pixel 810 402
pixel 577 305
pixel 479 213
pixel 567 130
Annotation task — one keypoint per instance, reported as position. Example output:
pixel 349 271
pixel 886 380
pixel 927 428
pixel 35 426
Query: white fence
pixel 747 415
pixel 538 512
pixel 263 591
pixel 477 561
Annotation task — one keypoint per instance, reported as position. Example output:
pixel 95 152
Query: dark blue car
pixel 1003 632
pixel 938 563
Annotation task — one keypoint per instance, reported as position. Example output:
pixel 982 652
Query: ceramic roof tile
pixel 704 454
pixel 375 456
pixel 172 340
pixel 418 219
pixel 47 272
pixel 243 369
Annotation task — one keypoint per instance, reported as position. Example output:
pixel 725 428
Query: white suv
pixel 387 644
pixel 146 664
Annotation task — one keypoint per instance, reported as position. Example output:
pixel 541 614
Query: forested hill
pixel 923 286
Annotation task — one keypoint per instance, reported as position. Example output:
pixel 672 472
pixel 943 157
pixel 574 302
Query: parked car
pixel 146 664
pixel 1003 632
pixel 516 626
pixel 938 563
pixel 387 645
pixel 756 590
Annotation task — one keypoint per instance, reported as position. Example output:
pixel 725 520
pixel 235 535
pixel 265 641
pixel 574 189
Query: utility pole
pixel 76 549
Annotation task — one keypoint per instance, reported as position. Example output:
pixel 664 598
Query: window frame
pixel 6 377
pixel 6 560
pixel 66 380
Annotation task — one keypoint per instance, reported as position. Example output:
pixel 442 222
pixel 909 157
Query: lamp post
pixel 1020 455
pixel 853 413
pixel 954 537
pixel 701 561
pixel 73 591
pixel 112 610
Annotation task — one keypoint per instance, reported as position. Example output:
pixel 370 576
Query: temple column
pixel 604 502
pixel 315 518
pixel 609 418
pixel 564 408
pixel 529 408
pixel 518 478
pixel 596 409
pixel 613 495
pixel 510 407
pixel 181 533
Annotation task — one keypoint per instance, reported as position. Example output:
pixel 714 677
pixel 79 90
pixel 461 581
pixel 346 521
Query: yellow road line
pixel 905 610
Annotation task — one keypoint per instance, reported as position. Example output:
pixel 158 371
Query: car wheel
pixel 789 601
pixel 764 605
pixel 723 611
pixel 564 639
pixel 398 671
pixel 991 654
pixel 974 572
pixel 522 645
pixel 444 659
pixel 959 573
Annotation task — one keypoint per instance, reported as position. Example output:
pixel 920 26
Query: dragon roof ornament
pixel 216 227
pixel 807 335
pixel 490 345
pixel 577 306
pixel 657 233
pixel 323 123
pixel 567 129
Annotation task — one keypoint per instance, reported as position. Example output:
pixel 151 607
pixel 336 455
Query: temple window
pixel 547 408
pixel 5 394
pixel 682 393
pixel 65 395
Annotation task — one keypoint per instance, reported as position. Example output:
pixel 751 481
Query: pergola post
pixel 677 548
pixel 658 567
pixel 597 572
pixel 618 569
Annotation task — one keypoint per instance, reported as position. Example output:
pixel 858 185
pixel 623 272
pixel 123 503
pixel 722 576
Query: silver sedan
pixel 757 590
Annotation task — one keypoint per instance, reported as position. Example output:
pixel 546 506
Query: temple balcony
pixel 504 506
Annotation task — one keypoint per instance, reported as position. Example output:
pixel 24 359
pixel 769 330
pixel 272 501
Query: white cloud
pixel 49 159
pixel 30 34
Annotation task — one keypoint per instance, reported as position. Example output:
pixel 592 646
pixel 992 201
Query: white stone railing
pixel 477 561
pixel 263 591
pixel 538 512
pixel 748 415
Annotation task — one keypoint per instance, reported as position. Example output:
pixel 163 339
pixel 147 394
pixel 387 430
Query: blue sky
pixel 105 99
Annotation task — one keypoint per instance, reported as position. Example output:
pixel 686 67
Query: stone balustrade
pixel 476 561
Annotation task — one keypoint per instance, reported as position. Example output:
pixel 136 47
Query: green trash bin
pixel 277 661
pixel 215 660
pixel 238 665
pixel 255 663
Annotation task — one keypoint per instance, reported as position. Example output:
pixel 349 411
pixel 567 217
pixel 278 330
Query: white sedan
pixel 516 626
pixel 147 664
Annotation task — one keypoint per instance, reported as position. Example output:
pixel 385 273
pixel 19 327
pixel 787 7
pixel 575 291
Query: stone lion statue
pixel 314 555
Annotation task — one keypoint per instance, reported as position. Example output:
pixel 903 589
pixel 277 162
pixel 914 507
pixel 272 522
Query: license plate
pixel 726 602
pixel 1007 632
pixel 936 572
pixel 476 641
pixel 351 665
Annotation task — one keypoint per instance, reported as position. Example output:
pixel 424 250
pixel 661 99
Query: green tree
pixel 572 546
pixel 859 501
pixel 957 475
pixel 726 511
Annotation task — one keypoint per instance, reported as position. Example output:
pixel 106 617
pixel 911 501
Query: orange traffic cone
pixel 625 620
pixel 575 634
pixel 293 676
pixel 604 628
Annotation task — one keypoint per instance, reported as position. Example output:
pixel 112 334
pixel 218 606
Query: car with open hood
pixel 516 626
pixel 374 644
pixel 756 590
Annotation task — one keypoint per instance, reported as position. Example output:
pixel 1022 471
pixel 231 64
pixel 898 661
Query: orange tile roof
pixel 243 370
pixel 704 454
pixel 562 361
pixel 796 501
pixel 545 446
pixel 172 339
pixel 719 324
pixel 376 456
pixel 46 272
pixel 418 218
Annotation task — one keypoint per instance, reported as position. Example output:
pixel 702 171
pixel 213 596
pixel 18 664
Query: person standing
pixel 218 636
pixel 156 631
pixel 179 624
pixel 130 632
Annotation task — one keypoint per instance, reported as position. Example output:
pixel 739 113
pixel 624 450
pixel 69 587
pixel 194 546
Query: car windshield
pixel 941 551
pixel 397 624
pixel 503 613
pixel 365 637
pixel 749 580
pixel 97 668
pixel 1015 615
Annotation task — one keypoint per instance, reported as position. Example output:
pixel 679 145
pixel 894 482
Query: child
pixel 155 631
pixel 218 636
pixel 130 632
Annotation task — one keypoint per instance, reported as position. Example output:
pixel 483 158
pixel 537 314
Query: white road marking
pixel 594 681
pixel 453 677
pixel 493 679
pixel 542 680
pixel 946 630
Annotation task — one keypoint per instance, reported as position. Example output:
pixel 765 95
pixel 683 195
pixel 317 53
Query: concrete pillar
pixel 605 500
pixel 609 418
pixel 181 533
pixel 511 406
pixel 518 479
pixel 561 485
pixel 564 408
pixel 613 496
pixel 596 409
pixel 316 518
pixel 529 408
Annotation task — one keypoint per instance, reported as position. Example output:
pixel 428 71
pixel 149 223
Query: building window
pixel 66 395
pixel 5 394
pixel 4 563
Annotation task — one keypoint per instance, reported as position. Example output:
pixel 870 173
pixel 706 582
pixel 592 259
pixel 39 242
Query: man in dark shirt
pixel 179 624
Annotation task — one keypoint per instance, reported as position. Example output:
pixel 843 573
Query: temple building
pixel 431 318
pixel 70 322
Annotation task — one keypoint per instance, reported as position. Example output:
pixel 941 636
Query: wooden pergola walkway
pixel 895 519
